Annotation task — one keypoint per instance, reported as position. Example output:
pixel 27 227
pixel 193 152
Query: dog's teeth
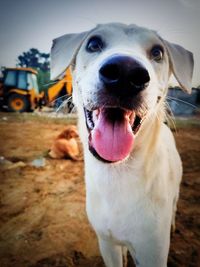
pixel 89 118
pixel 95 115
pixel 90 124
pixel 132 118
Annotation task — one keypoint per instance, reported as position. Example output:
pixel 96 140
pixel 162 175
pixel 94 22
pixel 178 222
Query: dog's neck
pixel 146 152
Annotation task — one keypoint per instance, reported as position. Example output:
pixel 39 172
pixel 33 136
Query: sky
pixel 29 24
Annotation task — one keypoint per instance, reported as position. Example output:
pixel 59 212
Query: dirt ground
pixel 42 209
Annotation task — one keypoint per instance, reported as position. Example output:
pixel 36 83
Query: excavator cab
pixel 19 89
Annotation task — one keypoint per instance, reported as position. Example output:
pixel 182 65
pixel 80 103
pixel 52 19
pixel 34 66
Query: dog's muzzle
pixel 114 123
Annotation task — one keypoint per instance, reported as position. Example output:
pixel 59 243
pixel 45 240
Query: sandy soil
pixel 42 209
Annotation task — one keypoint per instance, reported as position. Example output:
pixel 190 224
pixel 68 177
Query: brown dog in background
pixel 65 144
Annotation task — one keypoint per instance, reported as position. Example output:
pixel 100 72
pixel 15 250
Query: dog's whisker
pixel 49 83
pixel 66 106
pixel 72 65
pixel 73 110
pixel 170 116
pixel 59 99
pixel 181 101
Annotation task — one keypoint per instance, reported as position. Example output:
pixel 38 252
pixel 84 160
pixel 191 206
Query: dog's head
pixel 120 73
pixel 68 133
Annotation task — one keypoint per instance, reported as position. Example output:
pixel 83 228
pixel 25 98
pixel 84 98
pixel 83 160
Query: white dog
pixel 132 168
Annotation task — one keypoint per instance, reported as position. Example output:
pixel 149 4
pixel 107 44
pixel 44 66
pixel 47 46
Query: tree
pixel 33 58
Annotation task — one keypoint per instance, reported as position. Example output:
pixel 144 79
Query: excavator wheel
pixel 18 103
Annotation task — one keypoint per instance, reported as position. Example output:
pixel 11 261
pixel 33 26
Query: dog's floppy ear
pixel 182 63
pixel 63 51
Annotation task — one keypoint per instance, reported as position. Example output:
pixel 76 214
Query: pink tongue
pixel 113 141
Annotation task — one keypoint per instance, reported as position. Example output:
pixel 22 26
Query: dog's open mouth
pixel 111 132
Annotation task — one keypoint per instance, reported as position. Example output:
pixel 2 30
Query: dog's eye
pixel 95 44
pixel 157 53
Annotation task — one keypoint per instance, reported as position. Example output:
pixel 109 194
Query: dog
pixel 65 144
pixel 132 168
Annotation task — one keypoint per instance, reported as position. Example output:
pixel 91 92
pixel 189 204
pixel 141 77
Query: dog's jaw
pixel 111 132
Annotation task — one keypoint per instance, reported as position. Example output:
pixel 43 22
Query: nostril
pixel 110 73
pixel 139 77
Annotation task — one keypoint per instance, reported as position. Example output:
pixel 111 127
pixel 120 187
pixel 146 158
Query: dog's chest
pixel 116 220
pixel 118 205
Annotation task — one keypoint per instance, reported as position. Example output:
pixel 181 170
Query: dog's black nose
pixel 122 75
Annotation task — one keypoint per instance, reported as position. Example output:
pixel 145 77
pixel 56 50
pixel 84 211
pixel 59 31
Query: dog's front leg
pixel 111 253
pixel 149 254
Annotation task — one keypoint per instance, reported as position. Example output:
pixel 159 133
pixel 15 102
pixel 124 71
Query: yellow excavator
pixel 19 89
pixel 60 91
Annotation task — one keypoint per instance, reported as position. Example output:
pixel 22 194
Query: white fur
pixel 131 203
pixel 127 207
